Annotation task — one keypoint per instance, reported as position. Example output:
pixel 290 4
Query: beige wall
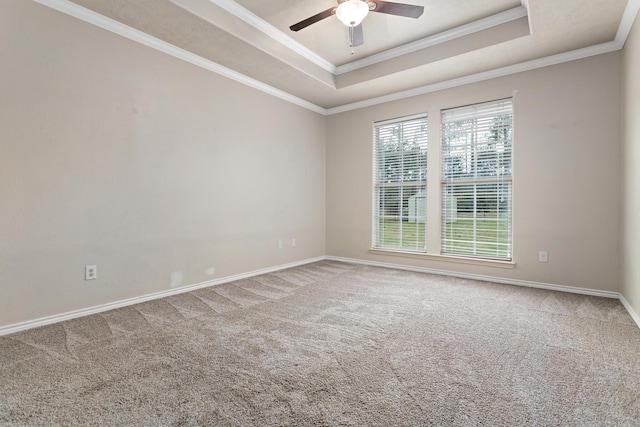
pixel 631 167
pixel 117 155
pixel 566 173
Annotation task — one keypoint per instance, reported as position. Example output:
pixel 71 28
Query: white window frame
pixel 407 230
pixel 487 230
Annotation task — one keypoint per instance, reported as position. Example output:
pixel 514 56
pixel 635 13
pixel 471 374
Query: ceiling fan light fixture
pixel 352 12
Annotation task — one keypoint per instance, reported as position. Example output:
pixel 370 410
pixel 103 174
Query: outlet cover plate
pixel 90 272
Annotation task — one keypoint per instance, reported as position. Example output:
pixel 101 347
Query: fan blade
pixel 357 36
pixel 312 20
pixel 400 9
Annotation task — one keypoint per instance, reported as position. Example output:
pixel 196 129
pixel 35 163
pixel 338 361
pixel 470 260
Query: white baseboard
pixel 632 313
pixel 17 327
pixel 516 282
pixel 561 288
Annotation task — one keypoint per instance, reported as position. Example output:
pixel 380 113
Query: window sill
pixel 445 258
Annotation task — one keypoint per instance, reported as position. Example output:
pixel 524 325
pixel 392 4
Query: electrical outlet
pixel 210 271
pixel 293 242
pixel 90 272
pixel 279 244
pixel 542 256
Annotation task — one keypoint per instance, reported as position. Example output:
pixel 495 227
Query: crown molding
pixel 145 39
pixel 79 12
pixel 443 37
pixel 255 21
pixel 626 23
pixel 479 77
pixel 260 24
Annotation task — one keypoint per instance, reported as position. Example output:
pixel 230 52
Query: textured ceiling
pixel 451 40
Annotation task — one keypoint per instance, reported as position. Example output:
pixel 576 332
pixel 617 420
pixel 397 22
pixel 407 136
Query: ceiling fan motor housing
pixel 352 12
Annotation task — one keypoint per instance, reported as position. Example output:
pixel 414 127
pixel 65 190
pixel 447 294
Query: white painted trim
pixel 145 39
pixel 630 13
pixel 258 23
pixel 43 321
pixel 486 75
pixel 626 23
pixel 632 313
pixel 516 282
pixel 493 279
pixel 445 36
pixel 72 9
pixel 485 262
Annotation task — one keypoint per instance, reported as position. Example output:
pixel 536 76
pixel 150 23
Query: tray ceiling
pixel 453 42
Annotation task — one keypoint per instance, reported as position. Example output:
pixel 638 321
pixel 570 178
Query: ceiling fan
pixel 352 12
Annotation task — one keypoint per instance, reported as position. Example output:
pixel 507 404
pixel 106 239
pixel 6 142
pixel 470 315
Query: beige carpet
pixel 332 344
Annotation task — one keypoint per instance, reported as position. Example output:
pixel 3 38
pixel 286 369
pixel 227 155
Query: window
pixel 400 184
pixel 476 187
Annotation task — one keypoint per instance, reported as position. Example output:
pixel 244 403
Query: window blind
pixel 476 183
pixel 400 178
